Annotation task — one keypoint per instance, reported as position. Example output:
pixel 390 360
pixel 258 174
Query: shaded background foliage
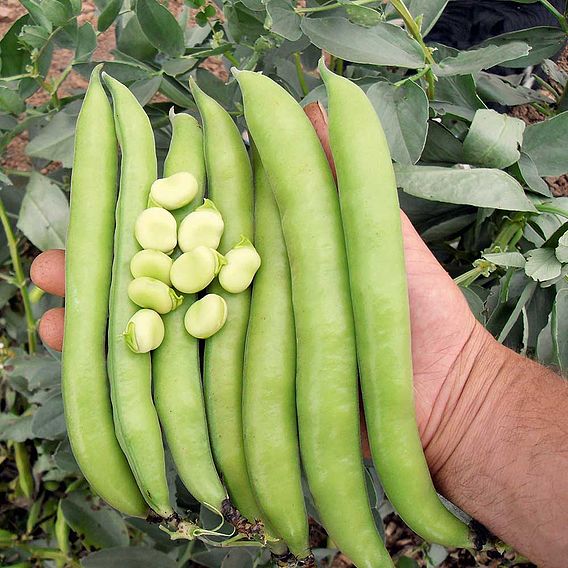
pixel 478 129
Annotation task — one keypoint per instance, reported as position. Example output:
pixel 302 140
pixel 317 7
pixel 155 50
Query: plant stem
pixel 560 17
pixel 339 66
pixel 414 77
pixel 232 59
pixel 300 74
pixel 20 277
pixel 545 208
pixel 414 30
pixel 545 85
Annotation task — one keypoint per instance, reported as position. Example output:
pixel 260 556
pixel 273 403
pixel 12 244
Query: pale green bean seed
pixel 152 293
pixel 202 227
pixel 206 316
pixel 243 261
pixel 174 191
pixel 194 270
pixel 144 331
pixel 153 263
pixel 156 229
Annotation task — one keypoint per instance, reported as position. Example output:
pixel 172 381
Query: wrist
pixel 467 406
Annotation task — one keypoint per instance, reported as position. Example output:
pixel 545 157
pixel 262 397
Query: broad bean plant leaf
pixel 457 96
pixel 44 214
pixel 383 44
pixel 475 60
pixel 100 525
pixel 281 19
pixel 559 328
pixel 493 139
pixel 429 10
pixel 542 265
pixel 546 142
pixel 160 27
pixel 480 187
pixel 403 112
pixel 545 42
pixel 55 141
pixel 507 259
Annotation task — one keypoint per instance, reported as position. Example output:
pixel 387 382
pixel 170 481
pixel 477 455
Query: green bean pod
pixel 326 375
pixel 135 418
pixel 176 370
pixel 88 265
pixel 230 186
pixel 269 395
pixel 373 235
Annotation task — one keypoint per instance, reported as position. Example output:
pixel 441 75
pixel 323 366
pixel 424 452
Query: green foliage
pixel 471 180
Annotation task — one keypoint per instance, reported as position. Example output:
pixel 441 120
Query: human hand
pixel 48 273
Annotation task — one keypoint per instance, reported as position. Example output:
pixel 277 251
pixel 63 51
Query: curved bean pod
pixel 135 418
pixel 326 377
pixel 231 188
pixel 269 394
pixel 88 264
pixel 175 364
pixel 373 235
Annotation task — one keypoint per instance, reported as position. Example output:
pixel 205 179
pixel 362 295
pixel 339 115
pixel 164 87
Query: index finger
pixel 48 271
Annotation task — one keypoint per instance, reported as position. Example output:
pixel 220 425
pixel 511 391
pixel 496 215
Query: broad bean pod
pixel 176 370
pixel 373 236
pixel 326 377
pixel 88 265
pixel 135 418
pixel 269 396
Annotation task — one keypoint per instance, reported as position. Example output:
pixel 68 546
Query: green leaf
pixel 160 27
pixel 44 214
pixel 555 72
pixel 145 89
pixel 10 101
pixel 362 15
pixel 544 345
pixel 542 264
pixel 129 557
pixel 7 291
pixel 493 139
pixel 506 259
pixel 383 44
pixel 457 96
pixel 546 142
pixel 55 141
pixel 529 173
pixel 13 59
pixel 403 112
pixel 559 328
pixel 472 61
pixel 523 300
pixel 282 19
pixel 442 145
pixel 40 371
pixel 34 36
pixel 562 249
pixel 448 228
pixel 58 12
pixel 15 428
pixel 99 524
pixel 473 186
pixel 430 10
pixel 405 562
pixel 545 41
pixel 475 303
pixel 109 15
pixel 86 43
pixel 36 12
pixel 501 90
pixel 49 421
pixel 132 41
